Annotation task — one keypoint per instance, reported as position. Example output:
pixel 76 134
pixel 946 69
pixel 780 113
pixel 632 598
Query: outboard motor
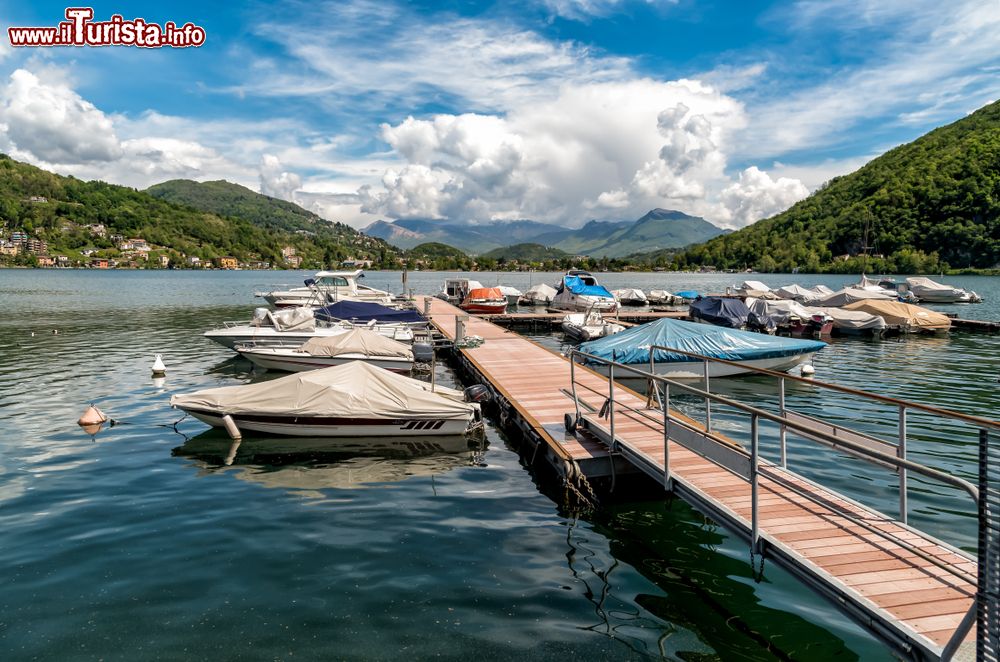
pixel 423 352
pixel 477 393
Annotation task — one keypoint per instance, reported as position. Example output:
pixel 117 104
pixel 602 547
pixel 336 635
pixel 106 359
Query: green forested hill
pixel 928 205
pixel 528 252
pixel 58 210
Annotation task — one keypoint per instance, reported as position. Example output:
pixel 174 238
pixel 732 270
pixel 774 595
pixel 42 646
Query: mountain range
pixel 658 229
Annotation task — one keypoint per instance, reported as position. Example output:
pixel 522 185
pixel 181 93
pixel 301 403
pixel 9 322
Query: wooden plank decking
pixel 882 572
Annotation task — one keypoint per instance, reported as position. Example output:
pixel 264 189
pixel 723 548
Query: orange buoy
pixel 92 429
pixel 92 416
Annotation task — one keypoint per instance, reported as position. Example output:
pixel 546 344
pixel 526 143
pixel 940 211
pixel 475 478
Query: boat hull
pixel 292 426
pixel 291 361
pixel 486 308
pixel 696 370
pixel 232 336
pixel 583 303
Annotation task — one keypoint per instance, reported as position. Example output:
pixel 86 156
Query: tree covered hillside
pixel 925 206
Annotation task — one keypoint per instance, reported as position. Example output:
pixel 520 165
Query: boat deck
pixel 909 588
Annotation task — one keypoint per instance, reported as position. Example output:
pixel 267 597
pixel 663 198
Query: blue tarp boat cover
pixel 364 311
pixel 721 311
pixel 687 294
pixel 632 345
pixel 576 285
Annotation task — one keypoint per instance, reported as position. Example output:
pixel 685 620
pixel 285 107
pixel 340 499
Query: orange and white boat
pixel 487 300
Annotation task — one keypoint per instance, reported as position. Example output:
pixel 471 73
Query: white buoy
pixel 158 367
pixel 92 416
pixel 808 370
pixel 234 432
pixel 32 334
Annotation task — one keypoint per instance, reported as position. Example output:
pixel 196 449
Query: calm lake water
pixel 143 543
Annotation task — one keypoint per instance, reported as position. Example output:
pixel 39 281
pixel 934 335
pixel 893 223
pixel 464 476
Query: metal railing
pixel 748 465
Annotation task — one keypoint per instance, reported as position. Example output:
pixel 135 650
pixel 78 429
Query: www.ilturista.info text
pixel 81 30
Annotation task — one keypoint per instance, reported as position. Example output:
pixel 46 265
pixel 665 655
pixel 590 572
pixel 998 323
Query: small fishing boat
pixel 748 349
pixel 326 287
pixel 579 291
pixel 456 289
pixel 720 311
pixel 537 295
pixel 485 300
pixel 589 326
pixel 358 344
pixel 630 297
pixel 293 325
pixel 351 400
pixel 906 317
pixel 928 291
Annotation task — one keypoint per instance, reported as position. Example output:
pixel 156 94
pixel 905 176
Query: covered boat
pixel 630 296
pixel 579 291
pixel 854 322
pixel 787 316
pixel 798 293
pixel 456 289
pixel 486 300
pixel 589 326
pixel 292 325
pixel 352 400
pixel 664 298
pixel 364 312
pixel 751 350
pixel 512 293
pixel 907 317
pixel 850 295
pixel 537 295
pixel 356 345
pixel 720 311
pixel 926 290
pixel 687 295
pixel 754 286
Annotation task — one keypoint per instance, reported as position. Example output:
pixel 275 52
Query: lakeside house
pixel 100 263
pixel 227 262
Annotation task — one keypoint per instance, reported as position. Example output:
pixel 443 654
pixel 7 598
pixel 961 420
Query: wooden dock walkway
pixel 910 589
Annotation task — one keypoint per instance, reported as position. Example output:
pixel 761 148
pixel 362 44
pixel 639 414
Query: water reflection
pixel 310 465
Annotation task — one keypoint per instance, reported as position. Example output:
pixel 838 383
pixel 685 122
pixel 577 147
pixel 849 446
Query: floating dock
pixel 913 591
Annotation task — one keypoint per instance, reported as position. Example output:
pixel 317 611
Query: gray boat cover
pixel 353 390
pixel 921 286
pixel 797 293
pixel 776 313
pixel 541 293
pixel 856 320
pixel 629 294
pixel 294 319
pixel 849 295
pixel 356 341
pixel 755 285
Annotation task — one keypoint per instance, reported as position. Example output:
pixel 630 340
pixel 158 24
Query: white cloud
pixel 756 196
pixel 276 182
pixel 50 122
pixel 583 10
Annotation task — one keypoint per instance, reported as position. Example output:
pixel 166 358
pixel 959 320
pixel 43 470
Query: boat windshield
pixel 332 281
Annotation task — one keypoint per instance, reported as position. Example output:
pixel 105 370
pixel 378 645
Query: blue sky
pixel 557 110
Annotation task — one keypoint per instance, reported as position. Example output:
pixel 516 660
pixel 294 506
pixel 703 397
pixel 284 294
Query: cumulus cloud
pixel 582 10
pixel 50 122
pixel 276 182
pixel 755 196
pixel 594 148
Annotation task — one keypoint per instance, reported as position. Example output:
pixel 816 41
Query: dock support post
pixel 667 480
pixel 708 402
pixel 901 453
pixel 754 535
pixel 460 321
pixel 611 418
pixel 427 306
pixel 783 432
pixel 572 385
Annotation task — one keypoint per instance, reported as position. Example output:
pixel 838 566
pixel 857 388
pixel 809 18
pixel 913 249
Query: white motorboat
pixel 630 297
pixel 456 289
pixel 351 400
pixel 326 287
pixel 664 298
pixel 293 325
pixel 512 293
pixel 928 291
pixel 589 326
pixel 358 344
pixel 537 295
pixel 579 291
pixel 745 348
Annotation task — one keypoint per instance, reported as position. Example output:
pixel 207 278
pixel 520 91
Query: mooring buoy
pixel 92 416
pixel 159 368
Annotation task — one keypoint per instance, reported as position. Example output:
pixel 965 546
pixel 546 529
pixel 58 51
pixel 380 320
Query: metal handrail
pixel 893 460
pixel 977 421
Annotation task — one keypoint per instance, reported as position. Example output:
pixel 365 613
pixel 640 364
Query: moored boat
pixel 928 291
pixel 663 298
pixel 326 287
pixel 849 295
pixel 456 289
pixel 906 317
pixel 351 400
pixel 358 344
pixel 579 291
pixel 512 293
pixel 485 300
pixel 630 296
pixel 720 311
pixel 363 312
pixel 292 325
pixel 537 295
pixel 589 326
pixel 786 316
pixel 747 349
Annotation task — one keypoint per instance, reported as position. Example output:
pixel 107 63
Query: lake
pixel 142 542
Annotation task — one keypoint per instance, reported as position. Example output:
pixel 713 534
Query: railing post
pixel 611 406
pixel 708 402
pixel 783 433
pixel 754 537
pixel 572 384
pixel 901 454
pixel 988 593
pixel 667 482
